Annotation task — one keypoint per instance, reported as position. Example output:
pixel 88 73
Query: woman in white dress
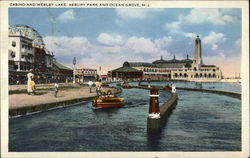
pixel 30 77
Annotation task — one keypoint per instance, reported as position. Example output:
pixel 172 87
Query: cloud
pixel 67 46
pixel 214 16
pixel 108 39
pixel 66 16
pixel 213 39
pixel 173 27
pixel 130 49
pixel 128 13
pixel 163 42
pixel 199 16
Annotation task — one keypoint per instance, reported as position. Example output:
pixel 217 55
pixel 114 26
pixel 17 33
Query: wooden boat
pixel 108 102
pixel 126 86
pixel 169 88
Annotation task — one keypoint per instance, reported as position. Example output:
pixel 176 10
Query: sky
pixel 108 37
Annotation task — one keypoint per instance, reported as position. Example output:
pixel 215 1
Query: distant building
pixel 86 74
pixel 185 69
pixel 126 73
pixel 62 73
pixel 150 71
pixel 197 71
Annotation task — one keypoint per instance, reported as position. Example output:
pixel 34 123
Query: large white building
pixel 27 51
pixel 185 69
pixel 197 71
pixel 21 53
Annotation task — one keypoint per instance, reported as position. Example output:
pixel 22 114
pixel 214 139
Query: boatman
pixel 98 85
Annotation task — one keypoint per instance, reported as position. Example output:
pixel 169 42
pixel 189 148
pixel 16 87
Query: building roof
pixel 187 60
pixel 208 66
pixel 61 66
pixel 143 64
pixel 161 61
pixel 171 65
pixel 126 68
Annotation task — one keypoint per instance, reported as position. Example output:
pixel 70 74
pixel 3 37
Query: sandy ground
pixel 22 100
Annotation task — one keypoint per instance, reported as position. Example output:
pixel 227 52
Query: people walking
pixel 56 86
pixel 30 83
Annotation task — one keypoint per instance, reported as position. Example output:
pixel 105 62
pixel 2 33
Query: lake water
pixel 200 122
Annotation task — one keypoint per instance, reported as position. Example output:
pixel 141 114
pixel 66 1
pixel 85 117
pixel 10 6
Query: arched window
pixel 205 75
pixel 200 74
pixel 196 75
pixel 209 75
pixel 214 76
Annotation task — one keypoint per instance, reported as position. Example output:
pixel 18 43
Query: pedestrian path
pixel 23 103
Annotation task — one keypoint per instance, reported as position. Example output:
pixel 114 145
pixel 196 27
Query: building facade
pixel 86 74
pixel 27 51
pixel 125 73
pixel 198 71
pixel 175 69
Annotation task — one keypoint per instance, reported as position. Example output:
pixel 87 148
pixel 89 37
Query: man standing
pixel 56 89
pixel 90 84
pixel 30 77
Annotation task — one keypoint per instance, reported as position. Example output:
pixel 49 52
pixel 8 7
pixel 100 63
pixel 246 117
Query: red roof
pixel 39 50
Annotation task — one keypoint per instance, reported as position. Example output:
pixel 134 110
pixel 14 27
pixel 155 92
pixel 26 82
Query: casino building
pixel 197 70
pixel 174 69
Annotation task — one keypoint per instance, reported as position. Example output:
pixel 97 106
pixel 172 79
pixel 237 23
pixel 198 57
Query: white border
pixel 153 4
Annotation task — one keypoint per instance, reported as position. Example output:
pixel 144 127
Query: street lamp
pixel 74 63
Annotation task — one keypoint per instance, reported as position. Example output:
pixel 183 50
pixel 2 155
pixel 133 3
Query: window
pixel 15 67
pixel 13 44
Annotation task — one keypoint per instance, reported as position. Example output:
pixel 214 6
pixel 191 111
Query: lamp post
pixel 74 63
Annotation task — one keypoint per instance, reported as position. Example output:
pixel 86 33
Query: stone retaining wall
pixel 46 106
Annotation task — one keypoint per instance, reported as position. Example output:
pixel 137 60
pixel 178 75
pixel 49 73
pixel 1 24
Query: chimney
pixel 161 58
pixel 174 57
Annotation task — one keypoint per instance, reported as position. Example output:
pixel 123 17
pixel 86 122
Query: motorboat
pixel 126 86
pixel 108 102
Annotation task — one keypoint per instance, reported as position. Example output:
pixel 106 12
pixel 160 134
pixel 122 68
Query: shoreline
pixel 21 104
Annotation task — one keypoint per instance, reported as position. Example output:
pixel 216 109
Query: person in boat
pixel 98 85
pixel 109 93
